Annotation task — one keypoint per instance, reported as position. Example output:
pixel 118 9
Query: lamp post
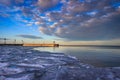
pixel 53 42
pixel 15 41
pixel 5 40
pixel 22 41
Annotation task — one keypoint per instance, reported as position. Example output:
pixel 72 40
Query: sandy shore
pixel 24 63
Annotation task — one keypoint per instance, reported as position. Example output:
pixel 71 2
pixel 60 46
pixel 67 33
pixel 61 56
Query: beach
pixel 25 63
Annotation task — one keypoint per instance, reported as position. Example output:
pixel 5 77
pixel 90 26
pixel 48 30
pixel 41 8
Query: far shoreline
pixel 110 46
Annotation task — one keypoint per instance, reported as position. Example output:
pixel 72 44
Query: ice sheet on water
pixel 25 77
pixel 8 70
pixel 57 55
pixel 31 65
pixel 29 52
pixel 73 57
pixel 48 65
pixel 3 65
pixel 52 58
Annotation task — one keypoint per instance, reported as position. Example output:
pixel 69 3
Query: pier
pixel 22 43
pixel 42 45
pixel 32 45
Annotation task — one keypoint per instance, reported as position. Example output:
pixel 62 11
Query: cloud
pixel 30 36
pixel 47 4
pixel 45 30
pixel 5 2
pixel 92 29
pixel 19 1
pixel 37 23
pixel 93 20
pixel 74 20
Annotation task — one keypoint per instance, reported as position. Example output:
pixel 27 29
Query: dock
pixel 14 43
pixel 32 45
pixel 42 45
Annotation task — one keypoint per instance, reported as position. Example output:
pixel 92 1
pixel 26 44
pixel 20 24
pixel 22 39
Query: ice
pixel 57 55
pixel 111 76
pixel 26 77
pixel 28 52
pixel 117 78
pixel 2 78
pixel 30 65
pixel 24 63
pixel 12 70
pixel 72 57
pixel 2 65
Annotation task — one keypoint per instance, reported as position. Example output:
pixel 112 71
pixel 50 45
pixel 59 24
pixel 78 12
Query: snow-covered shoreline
pixel 24 63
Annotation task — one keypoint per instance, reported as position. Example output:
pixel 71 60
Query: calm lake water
pixel 97 56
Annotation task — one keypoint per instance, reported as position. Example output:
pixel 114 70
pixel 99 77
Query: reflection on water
pixel 97 56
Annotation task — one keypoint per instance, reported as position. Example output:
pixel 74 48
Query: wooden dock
pixel 42 45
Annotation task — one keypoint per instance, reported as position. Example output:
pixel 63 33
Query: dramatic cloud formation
pixel 46 4
pixel 70 19
pixel 30 36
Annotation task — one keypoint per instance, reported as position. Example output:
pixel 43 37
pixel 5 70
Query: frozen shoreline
pixel 24 63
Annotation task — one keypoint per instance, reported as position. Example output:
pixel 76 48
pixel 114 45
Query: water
pixel 97 56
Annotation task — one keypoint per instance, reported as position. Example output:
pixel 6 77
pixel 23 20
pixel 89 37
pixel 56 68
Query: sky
pixel 85 22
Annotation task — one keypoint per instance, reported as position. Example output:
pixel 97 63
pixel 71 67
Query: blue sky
pixel 66 21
